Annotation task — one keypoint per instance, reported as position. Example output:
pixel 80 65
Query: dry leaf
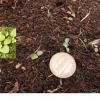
pixel 15 88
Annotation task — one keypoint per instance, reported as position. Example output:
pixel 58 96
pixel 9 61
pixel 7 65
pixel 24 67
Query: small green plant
pixel 71 14
pixel 36 55
pixel 7 42
pixel 95 48
pixel 95 45
pixel 66 45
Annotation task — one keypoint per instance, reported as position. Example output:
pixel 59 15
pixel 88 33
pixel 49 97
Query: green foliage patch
pixel 7 42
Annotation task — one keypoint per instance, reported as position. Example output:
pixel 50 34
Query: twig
pixel 50 76
pixel 15 3
pixel 39 45
pixel 58 87
pixel 61 82
pixel 54 90
pixel 80 32
pixel 85 16
pixel 83 43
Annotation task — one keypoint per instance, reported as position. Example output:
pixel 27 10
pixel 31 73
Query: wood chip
pixel 85 17
pixel 23 68
pixel 18 66
pixel 95 42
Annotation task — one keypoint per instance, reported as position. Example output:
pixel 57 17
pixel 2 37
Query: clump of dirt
pixel 42 23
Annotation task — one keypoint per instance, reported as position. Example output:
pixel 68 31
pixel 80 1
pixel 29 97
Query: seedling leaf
pixel 0 44
pixel 4 49
pixel 7 40
pixel 66 40
pixel 2 37
pixel 96 50
pixel 12 32
pixel 66 44
pixel 34 56
pixel 39 53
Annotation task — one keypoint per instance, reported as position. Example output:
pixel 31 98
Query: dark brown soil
pixel 35 27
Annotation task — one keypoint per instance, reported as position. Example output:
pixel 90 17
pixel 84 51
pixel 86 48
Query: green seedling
pixel 71 12
pixel 70 18
pixel 36 55
pixel 66 45
pixel 7 42
pixel 95 48
pixel 71 15
pixel 2 37
pixel 95 45
pixel 4 49
pixel 0 44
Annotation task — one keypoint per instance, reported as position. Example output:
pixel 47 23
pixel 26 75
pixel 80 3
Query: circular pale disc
pixel 62 65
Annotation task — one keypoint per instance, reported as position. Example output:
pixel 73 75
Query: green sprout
pixel 7 42
pixel 95 48
pixel 36 55
pixel 71 14
pixel 66 45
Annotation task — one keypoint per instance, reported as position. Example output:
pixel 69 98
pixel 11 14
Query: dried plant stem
pixel 83 43
pixel 36 49
pixel 58 87
pixel 50 76
pixel 85 16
